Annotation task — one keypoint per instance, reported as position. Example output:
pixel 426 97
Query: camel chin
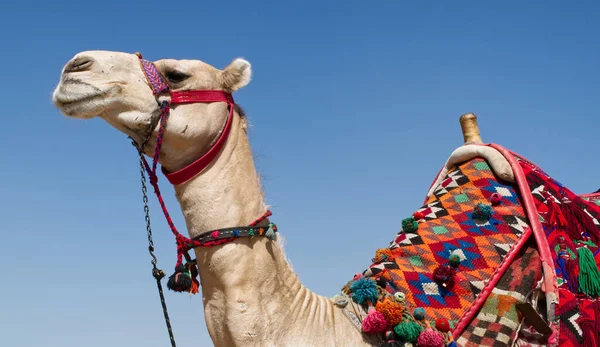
pixel 81 100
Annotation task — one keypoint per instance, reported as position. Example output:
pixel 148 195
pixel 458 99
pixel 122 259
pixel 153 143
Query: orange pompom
pixel 392 311
pixel 383 254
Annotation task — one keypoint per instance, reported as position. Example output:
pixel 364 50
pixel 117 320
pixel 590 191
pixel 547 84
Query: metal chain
pixel 156 272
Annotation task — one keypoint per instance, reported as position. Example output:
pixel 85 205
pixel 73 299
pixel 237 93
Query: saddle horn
pixel 470 129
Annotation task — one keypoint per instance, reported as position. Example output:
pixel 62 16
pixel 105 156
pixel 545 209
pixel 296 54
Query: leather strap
pixel 194 96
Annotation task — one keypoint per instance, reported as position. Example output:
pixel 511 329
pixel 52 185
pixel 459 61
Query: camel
pixel 250 293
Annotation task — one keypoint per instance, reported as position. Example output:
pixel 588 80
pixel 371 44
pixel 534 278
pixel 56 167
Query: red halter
pixel 159 86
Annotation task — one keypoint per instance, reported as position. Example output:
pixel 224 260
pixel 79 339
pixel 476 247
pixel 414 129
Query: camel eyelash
pixel 176 76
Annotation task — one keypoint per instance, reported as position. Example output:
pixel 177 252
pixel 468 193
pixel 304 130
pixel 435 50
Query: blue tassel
pixel 236 233
pixel 562 263
pixel 364 290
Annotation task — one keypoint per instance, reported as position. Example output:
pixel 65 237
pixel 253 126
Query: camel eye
pixel 176 76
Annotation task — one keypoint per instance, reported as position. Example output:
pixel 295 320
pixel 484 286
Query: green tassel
pixel 251 232
pixel 270 234
pixel 589 276
pixel 408 331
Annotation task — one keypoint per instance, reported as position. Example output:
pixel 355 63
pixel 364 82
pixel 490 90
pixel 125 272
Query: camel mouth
pixel 78 99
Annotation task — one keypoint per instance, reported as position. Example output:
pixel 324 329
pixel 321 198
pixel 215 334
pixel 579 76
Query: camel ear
pixel 236 75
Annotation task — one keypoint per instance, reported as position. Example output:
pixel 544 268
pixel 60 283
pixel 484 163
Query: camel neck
pixel 228 194
pixel 251 295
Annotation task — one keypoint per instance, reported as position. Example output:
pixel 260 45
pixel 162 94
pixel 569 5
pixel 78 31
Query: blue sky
pixel 354 107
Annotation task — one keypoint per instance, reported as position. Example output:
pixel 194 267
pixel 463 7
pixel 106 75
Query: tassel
pixel 409 225
pixel 444 276
pixel 391 310
pixel 419 313
pixel 270 234
pixel 408 331
pixel 562 264
pixel 181 280
pixel 578 220
pixel 374 322
pixel 572 271
pixel 430 338
pixel 496 199
pixel 482 211
pixel 442 325
pixel 193 269
pixel 364 290
pixel 589 276
pixel 195 286
pixel 554 216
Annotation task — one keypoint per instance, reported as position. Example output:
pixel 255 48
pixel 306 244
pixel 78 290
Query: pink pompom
pixel 430 338
pixel 357 276
pixel 374 322
pixel 214 234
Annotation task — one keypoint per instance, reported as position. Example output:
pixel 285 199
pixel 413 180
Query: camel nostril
pixel 79 64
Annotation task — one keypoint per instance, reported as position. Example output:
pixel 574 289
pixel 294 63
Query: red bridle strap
pixel 201 96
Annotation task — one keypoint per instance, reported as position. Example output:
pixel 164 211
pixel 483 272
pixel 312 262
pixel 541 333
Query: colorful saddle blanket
pixel 486 262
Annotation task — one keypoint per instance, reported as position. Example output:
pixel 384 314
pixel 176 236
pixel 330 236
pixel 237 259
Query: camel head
pixel 112 86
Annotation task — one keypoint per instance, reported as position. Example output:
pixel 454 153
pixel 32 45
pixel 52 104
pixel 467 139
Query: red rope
pixel 184 244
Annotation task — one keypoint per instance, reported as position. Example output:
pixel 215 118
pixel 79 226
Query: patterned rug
pixel 486 262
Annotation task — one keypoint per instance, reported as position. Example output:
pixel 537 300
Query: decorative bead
pixel 364 290
pixel 214 234
pixel 270 234
pixel 454 260
pixel 389 335
pixel 251 232
pixel 340 300
pixel 399 296
pixel 236 233
pixel 496 198
pixel 374 322
pixel 409 225
pixel 418 215
pixel 444 276
pixel 391 310
pixel 442 325
pixel 419 313
pixel 482 211
pixel 408 331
